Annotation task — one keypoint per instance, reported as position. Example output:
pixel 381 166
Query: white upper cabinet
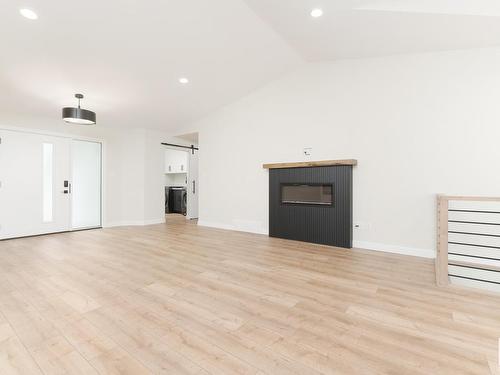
pixel 176 161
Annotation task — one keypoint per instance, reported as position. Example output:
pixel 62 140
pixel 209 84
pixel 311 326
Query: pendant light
pixel 78 115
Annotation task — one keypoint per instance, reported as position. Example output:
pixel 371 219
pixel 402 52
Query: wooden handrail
pixel 472 199
pixel 441 263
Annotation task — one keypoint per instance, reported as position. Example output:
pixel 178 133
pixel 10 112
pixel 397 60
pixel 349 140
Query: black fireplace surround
pixel 312 204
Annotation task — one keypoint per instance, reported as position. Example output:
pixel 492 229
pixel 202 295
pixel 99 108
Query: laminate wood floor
pixel 183 299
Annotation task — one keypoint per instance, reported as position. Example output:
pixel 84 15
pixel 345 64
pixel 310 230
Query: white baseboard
pixel 211 224
pixel 134 223
pixel 155 221
pixel 395 249
pixel 121 224
pixel 247 229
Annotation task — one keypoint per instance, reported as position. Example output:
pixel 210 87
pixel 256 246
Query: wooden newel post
pixel 442 241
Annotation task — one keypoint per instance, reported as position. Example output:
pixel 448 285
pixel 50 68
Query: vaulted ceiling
pixel 367 28
pixel 126 56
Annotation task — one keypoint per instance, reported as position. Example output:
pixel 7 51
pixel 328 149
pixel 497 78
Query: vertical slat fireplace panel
pixel 324 224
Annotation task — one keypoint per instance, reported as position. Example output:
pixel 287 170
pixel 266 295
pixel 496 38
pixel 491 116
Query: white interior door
pixel 192 188
pixel 86 184
pixel 34 184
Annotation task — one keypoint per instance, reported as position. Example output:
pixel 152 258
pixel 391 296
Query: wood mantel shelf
pixel 306 164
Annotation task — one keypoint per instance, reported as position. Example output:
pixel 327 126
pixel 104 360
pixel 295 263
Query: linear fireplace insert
pixel 312 204
pixel 306 193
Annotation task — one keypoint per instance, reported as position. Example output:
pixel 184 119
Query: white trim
pixel 155 221
pixel 134 223
pixel 50 133
pixel 122 224
pixel 395 249
pixel 211 224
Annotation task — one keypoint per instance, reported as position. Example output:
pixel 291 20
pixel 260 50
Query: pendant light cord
pixel 79 97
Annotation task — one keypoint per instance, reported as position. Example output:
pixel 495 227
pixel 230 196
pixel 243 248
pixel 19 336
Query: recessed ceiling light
pixel 316 13
pixel 28 13
pixel 183 80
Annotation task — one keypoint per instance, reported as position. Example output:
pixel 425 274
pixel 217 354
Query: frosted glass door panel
pixel 48 181
pixel 86 184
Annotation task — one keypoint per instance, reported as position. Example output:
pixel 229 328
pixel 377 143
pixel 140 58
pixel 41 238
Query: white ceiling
pixel 126 55
pixel 367 28
pixel 190 137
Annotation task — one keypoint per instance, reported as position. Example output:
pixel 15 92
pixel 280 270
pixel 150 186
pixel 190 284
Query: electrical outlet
pixel 362 226
pixel 307 151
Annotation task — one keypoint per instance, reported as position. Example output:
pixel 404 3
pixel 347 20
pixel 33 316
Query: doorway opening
pixel 181 178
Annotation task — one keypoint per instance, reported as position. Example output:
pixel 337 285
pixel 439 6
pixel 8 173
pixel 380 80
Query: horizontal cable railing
pixel 468 241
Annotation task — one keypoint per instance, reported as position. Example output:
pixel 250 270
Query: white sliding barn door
pixel 34 184
pixel 192 187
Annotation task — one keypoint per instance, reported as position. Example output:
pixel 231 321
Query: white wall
pixel 419 125
pixel 124 171
pixel 135 177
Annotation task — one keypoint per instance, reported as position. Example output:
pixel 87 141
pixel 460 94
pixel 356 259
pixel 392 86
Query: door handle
pixel 67 187
pixel 194 187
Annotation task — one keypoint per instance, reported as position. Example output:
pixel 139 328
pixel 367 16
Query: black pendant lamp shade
pixel 78 115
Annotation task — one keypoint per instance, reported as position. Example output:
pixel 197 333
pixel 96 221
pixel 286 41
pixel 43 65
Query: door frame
pixel 178 148
pixel 190 150
pixel 71 136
